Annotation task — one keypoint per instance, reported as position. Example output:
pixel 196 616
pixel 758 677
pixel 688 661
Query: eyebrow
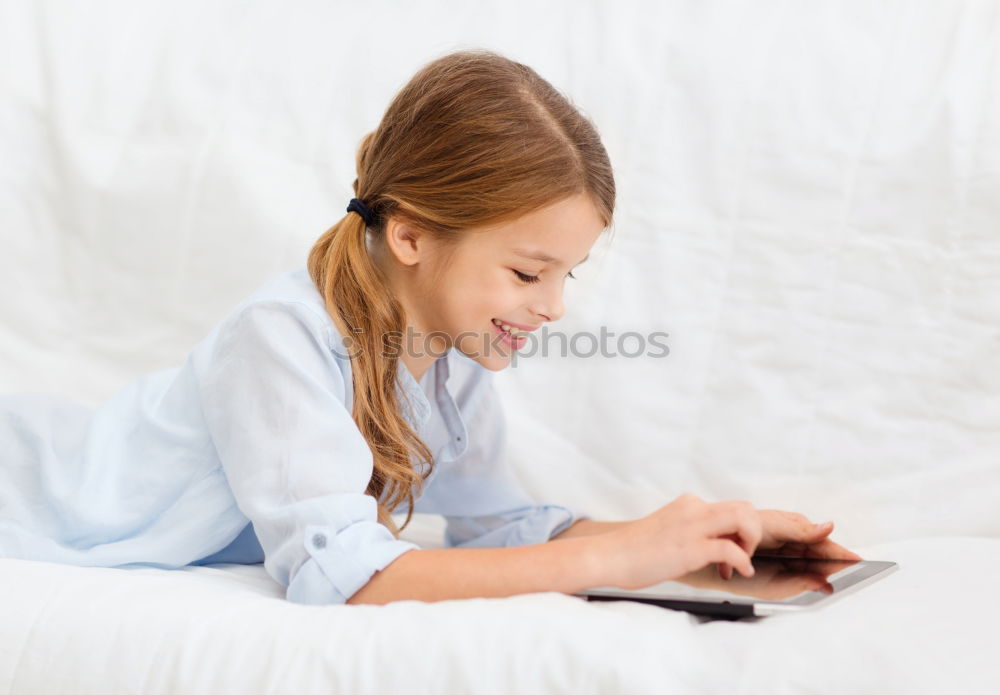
pixel 543 257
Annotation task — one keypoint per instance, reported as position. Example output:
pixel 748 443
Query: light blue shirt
pixel 248 453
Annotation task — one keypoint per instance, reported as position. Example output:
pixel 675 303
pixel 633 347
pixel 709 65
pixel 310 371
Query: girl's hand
pixel 791 533
pixel 679 538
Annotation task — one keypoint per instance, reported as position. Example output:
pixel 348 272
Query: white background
pixel 809 204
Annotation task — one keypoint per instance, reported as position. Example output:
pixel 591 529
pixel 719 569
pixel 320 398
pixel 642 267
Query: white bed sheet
pixel 927 628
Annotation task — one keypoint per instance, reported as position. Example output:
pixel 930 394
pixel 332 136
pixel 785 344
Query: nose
pixel 549 302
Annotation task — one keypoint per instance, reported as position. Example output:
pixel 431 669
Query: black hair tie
pixel 363 210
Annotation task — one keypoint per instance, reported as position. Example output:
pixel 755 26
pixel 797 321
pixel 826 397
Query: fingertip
pixel 822 529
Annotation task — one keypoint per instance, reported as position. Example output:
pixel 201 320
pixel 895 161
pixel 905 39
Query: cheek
pixel 483 296
pixel 476 311
pixel 499 297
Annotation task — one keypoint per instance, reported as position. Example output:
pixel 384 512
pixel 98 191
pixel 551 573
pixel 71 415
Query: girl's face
pixel 512 274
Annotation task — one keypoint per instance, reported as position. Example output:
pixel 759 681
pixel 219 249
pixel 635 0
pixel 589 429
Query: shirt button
pixel 319 540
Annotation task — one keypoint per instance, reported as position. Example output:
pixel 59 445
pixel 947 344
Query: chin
pixel 495 365
pixel 488 356
pixel 494 362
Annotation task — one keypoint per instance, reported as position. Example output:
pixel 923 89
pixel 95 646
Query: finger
pixel 818 531
pixel 735 517
pixel 796 528
pixel 725 571
pixel 827 549
pixel 722 550
pixel 788 550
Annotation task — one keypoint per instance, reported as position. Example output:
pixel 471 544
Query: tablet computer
pixel 780 584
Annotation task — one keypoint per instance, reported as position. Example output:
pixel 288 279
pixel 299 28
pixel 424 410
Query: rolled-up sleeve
pixel 274 399
pixel 483 502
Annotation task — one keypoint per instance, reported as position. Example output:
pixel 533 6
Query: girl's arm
pixel 626 554
pixel 439 574
pixel 693 532
pixel 587 527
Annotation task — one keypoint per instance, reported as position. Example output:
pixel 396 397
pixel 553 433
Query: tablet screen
pixel 782 579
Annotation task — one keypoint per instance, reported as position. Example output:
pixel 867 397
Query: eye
pixel 527 279
pixel 570 274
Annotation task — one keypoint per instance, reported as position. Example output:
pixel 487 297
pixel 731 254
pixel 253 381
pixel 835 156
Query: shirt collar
pixel 416 406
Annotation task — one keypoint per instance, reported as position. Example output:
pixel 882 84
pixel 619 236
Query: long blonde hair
pixel 474 139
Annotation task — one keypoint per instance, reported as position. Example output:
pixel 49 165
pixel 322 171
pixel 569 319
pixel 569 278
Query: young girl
pixel 360 385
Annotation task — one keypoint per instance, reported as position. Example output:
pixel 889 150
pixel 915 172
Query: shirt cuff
pixel 340 563
pixel 526 526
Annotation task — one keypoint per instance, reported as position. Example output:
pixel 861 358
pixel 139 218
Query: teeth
pixel 508 328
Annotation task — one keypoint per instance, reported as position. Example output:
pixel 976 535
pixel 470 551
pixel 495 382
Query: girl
pixel 360 384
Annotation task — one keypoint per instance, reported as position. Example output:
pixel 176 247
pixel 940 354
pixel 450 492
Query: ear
pixel 406 243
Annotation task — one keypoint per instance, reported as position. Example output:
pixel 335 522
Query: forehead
pixel 559 233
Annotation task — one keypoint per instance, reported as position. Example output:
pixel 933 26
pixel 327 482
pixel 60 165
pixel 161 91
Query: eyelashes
pixel 529 279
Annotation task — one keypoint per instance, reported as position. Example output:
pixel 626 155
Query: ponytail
pixel 366 315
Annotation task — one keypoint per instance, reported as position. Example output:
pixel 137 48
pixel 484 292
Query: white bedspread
pixel 927 628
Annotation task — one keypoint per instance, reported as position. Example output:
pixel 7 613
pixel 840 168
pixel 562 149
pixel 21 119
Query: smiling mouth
pixel 512 336
pixel 509 330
